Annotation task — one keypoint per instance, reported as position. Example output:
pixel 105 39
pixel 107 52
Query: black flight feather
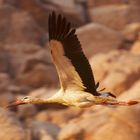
pixel 60 29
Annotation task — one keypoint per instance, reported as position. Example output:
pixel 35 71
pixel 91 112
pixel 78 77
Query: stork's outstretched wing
pixel 72 66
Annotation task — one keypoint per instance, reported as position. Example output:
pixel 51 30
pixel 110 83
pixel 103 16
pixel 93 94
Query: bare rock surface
pixel 39 10
pixel 35 68
pixel 98 3
pixel 96 38
pixel 131 31
pixel 6 98
pixel 5 81
pixel 10 127
pixel 117 70
pixel 16 27
pixel 5 63
pixel 40 75
pixel 63 115
pixel 72 9
pixel 115 16
pixel 42 130
pixel 136 48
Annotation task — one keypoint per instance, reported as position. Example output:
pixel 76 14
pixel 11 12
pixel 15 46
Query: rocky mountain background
pixel 109 31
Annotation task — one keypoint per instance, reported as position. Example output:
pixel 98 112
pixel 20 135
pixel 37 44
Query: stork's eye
pixel 25 98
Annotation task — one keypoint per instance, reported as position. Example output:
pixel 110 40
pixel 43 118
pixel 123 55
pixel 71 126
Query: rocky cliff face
pixel 109 32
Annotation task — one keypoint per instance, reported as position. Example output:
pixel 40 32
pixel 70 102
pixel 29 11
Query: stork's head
pixel 24 100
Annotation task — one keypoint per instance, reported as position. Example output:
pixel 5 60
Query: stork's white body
pixel 79 99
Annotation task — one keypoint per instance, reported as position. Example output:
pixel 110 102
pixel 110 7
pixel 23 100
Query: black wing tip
pixel 52 13
pixel 59 27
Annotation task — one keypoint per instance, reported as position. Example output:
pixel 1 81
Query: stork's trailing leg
pixel 120 103
pixel 101 100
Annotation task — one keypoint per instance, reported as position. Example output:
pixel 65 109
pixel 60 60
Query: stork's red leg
pixel 121 103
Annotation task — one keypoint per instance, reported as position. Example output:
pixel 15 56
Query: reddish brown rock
pixel 18 27
pixel 37 70
pixel 43 92
pixel 5 81
pixel 10 127
pixel 42 130
pixel 26 111
pixel 96 38
pixel 34 8
pixel 131 31
pixel 39 10
pixel 6 98
pixel 40 75
pixel 114 16
pixel 132 93
pixel 63 115
pixel 24 30
pixel 19 54
pixel 97 3
pixel 73 10
pixel 5 14
pixel 1 2
pixel 32 65
pixel 136 48
pixel 5 63
pixel 117 70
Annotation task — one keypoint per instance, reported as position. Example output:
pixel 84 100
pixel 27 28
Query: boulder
pixel 73 10
pixel 10 127
pixel 37 70
pixel 6 98
pixel 19 53
pixel 38 76
pixel 131 31
pixel 136 48
pixel 98 3
pixel 5 81
pixel 5 62
pixel 115 16
pixel 96 38
pixel 18 27
pixel 26 111
pixel 117 70
pixel 5 14
pixel 43 130
pixel 1 2
pixel 31 65
pixel 39 10
pixel 34 8
pixel 63 115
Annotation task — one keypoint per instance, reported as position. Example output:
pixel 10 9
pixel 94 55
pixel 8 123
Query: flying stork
pixel 78 87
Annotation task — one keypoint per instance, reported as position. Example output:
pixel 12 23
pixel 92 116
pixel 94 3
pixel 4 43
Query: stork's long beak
pixel 15 103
